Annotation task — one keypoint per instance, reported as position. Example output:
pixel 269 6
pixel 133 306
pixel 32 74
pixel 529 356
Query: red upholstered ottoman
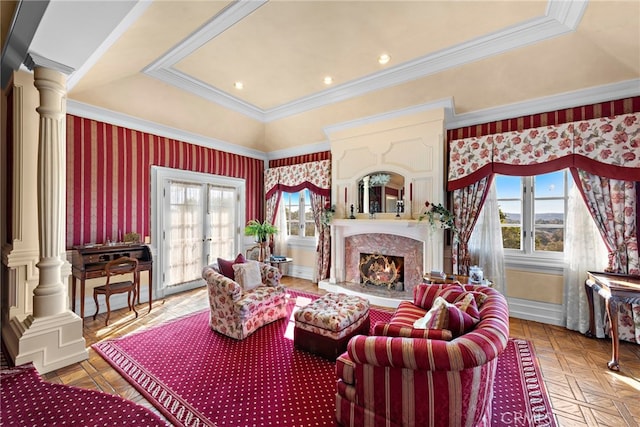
pixel 325 325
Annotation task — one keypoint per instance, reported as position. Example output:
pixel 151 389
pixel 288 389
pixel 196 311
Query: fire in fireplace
pixel 382 270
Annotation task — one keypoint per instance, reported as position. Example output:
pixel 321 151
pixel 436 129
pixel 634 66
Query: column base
pixel 50 342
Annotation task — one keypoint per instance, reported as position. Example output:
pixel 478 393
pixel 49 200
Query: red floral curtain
pixel 612 204
pixel 467 204
pixel 323 264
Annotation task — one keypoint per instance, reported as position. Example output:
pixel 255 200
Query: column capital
pixel 34 61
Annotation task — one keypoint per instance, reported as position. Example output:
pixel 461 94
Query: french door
pixel 199 217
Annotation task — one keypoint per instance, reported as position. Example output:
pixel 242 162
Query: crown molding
pixel 299 151
pixel 130 122
pixel 561 17
pixel 608 92
pixel 446 104
pixel 624 89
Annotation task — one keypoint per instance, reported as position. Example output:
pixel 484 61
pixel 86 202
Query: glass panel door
pixel 184 232
pixel 220 240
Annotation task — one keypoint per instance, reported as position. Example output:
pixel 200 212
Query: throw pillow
pixel 226 267
pixel 445 315
pixel 425 294
pixel 248 275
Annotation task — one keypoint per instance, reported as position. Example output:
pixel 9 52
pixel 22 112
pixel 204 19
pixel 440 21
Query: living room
pixel 123 125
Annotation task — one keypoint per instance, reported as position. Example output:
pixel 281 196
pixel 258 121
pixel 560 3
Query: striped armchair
pixel 403 376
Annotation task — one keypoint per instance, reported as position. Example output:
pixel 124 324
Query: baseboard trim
pixel 552 314
pixel 299 272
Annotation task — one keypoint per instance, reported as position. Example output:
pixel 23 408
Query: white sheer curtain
pixel 584 251
pixel 280 238
pixel 485 244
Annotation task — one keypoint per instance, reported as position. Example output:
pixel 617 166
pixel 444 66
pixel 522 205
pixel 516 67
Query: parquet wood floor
pixel 582 390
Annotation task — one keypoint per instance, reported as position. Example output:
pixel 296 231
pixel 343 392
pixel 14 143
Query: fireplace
pixel 415 243
pixel 382 270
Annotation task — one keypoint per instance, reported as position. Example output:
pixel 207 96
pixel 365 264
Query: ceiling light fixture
pixel 328 80
pixel 383 59
pixel 238 85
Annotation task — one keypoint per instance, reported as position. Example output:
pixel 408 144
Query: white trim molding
pixel 552 314
pixel 561 17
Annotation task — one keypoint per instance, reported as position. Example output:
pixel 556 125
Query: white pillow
pixel 432 318
pixel 248 275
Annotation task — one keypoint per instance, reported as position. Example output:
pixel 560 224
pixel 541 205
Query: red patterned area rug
pixel 197 377
pixel 27 400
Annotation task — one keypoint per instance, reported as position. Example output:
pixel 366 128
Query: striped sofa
pixel 403 376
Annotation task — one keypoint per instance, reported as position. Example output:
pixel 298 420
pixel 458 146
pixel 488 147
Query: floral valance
pixel 608 146
pixel 316 176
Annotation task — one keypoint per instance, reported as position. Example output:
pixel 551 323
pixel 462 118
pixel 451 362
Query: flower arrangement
pixel 438 214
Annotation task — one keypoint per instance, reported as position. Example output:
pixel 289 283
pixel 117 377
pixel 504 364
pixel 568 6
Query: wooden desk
pixel 88 263
pixel 615 289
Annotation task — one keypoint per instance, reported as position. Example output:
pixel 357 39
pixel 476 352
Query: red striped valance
pixel 550 118
pixel 109 177
pixel 305 158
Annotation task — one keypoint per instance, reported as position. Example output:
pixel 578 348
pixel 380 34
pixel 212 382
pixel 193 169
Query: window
pixel 298 214
pixel 532 213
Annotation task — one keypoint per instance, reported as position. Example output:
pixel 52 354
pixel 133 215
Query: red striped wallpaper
pixel 587 112
pixel 109 177
pixel 305 158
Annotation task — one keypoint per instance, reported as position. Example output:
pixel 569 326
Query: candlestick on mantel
pixel 345 196
pixel 411 191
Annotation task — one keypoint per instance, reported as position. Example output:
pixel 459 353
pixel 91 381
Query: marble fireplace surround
pixel 413 240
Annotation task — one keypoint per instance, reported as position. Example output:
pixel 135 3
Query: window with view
pixel 533 212
pixel 298 214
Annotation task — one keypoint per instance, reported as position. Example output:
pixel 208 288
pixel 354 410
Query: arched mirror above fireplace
pixel 381 192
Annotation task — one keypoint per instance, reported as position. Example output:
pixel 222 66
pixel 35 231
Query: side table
pixel 615 289
pixel 280 262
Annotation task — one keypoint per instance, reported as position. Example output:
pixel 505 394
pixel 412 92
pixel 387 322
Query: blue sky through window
pixel 547 185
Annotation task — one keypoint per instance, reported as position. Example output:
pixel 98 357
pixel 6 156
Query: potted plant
pixel 262 231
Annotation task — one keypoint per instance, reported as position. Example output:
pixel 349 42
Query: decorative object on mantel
pixel 352 216
pixel 262 231
pixel 132 237
pixel 438 214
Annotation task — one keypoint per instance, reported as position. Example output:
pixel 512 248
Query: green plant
pixel 440 215
pixel 261 230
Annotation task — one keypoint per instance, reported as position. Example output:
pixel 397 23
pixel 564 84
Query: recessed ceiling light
pixel 383 59
pixel 328 80
pixel 238 85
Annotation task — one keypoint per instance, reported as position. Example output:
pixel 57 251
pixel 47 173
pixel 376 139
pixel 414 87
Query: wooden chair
pixel 122 265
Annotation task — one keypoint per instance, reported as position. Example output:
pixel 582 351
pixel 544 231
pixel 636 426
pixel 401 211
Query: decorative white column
pixel 49 295
pixel 365 193
pixel 51 337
